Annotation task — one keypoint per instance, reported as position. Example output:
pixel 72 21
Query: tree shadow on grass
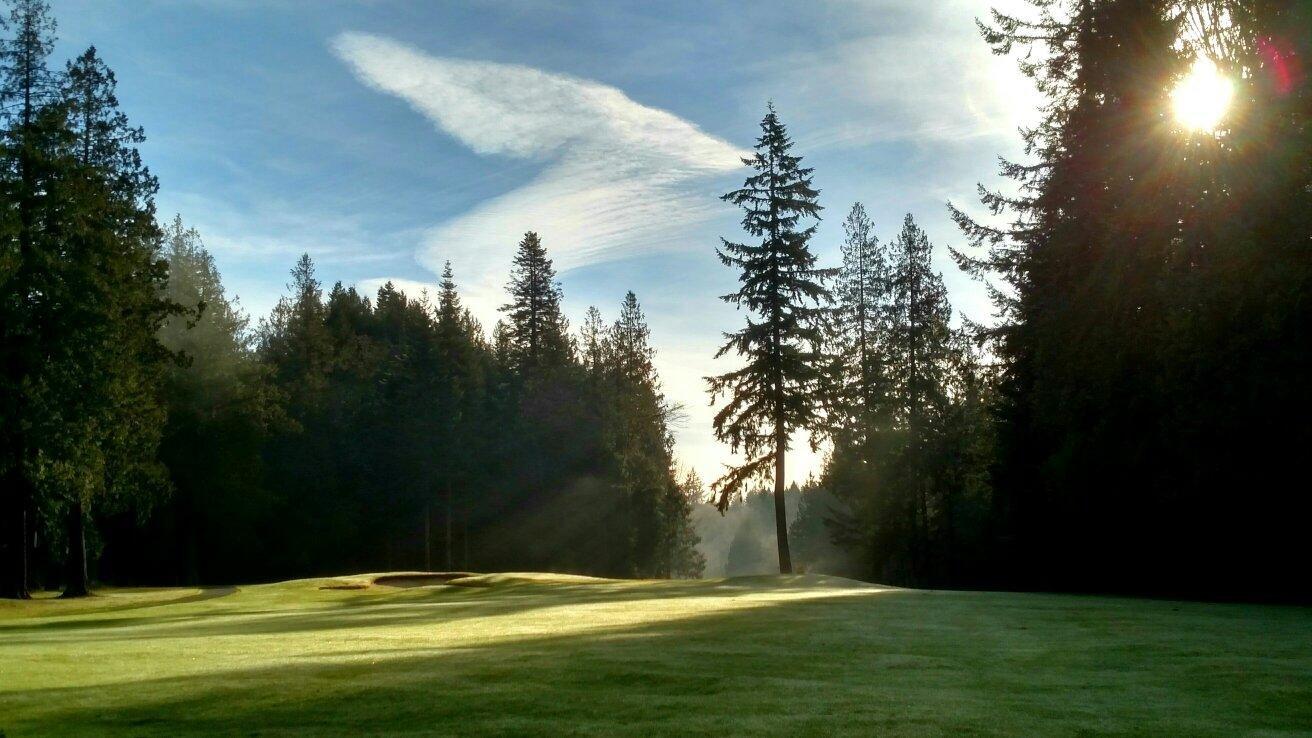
pixel 389 607
pixel 884 662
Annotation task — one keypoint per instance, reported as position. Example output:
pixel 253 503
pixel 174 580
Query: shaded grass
pixel 562 655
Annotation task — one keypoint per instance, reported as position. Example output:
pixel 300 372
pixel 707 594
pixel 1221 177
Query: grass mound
pixel 556 654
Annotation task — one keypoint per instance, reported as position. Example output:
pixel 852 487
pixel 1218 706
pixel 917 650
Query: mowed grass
pixel 554 655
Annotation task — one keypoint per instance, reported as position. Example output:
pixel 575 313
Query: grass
pixel 553 655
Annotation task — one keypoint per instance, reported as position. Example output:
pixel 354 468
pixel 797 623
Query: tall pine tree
pixel 111 384
pixel 34 132
pixel 777 391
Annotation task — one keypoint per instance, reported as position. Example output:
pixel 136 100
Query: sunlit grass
pixel 550 654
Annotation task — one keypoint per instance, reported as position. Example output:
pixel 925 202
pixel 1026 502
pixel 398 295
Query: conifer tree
pixel 220 413
pixel 111 381
pixel 638 436
pixel 592 343
pixel 776 392
pixel 862 295
pixel 918 331
pixel 919 352
pixel 461 391
pixel 538 332
pixel 33 133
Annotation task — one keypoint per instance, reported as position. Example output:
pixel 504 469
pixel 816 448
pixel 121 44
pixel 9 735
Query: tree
pixel 638 438
pixel 462 391
pixel 111 416
pixel 679 539
pixel 32 130
pixel 221 411
pixel 777 391
pixel 1148 331
pixel 858 334
pixel 537 329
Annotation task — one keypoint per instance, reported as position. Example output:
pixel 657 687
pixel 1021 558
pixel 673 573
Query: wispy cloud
pixel 919 77
pixel 618 178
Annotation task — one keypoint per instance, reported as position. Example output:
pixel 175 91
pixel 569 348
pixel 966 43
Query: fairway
pixel 511 654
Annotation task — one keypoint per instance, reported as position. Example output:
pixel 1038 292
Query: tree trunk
pixel 780 511
pixel 75 576
pixel 13 539
pixel 450 563
pixel 464 539
pixel 428 537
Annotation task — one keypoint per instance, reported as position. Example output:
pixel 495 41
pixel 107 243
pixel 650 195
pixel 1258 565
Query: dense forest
pixel 1131 419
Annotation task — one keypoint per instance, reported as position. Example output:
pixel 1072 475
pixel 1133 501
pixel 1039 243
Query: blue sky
pixel 385 137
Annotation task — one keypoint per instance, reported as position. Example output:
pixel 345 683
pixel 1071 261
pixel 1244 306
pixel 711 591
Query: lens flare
pixel 1201 99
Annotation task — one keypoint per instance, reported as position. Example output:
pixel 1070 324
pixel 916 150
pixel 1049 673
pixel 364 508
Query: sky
pixel 386 137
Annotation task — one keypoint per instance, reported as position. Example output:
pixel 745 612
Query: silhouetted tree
pixel 34 131
pixel 776 392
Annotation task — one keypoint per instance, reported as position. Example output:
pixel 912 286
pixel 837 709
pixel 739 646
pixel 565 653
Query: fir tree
pixel 918 330
pixel 537 328
pixel 863 305
pixel 112 380
pixel 592 343
pixel 776 392
pixel 33 133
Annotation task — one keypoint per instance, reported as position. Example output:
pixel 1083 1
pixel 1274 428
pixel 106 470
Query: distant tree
pixel 295 340
pixel 679 536
pixel 637 435
pixel 593 342
pixel 221 411
pixel 777 391
pixel 862 295
pixel 462 391
pixel 536 327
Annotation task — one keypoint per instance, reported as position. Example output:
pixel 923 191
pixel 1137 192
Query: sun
pixel 1200 100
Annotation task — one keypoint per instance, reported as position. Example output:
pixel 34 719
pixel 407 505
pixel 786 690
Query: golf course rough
pixel 555 654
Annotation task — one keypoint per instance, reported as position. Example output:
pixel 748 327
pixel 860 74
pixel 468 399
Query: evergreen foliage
pixel 777 391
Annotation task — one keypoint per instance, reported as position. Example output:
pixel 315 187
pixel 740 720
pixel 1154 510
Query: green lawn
pixel 513 654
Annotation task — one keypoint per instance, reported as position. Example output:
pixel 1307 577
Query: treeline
pixel 150 434
pixel 350 433
pixel 866 357
pixel 908 418
pixel 1133 420
pixel 1136 418
pixel 1153 285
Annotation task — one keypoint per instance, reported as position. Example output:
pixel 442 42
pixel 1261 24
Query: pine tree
pixel 918 354
pixel 33 131
pixel 918 330
pixel 776 392
pixel 630 339
pixel 1135 264
pixel 638 437
pixel 110 388
pixel 679 534
pixel 863 305
pixel 294 339
pixel 592 343
pixel 461 389
pixel 537 328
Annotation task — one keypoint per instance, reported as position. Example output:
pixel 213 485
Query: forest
pixel 1132 419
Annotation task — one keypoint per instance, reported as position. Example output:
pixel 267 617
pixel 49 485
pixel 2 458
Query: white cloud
pixel 618 178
